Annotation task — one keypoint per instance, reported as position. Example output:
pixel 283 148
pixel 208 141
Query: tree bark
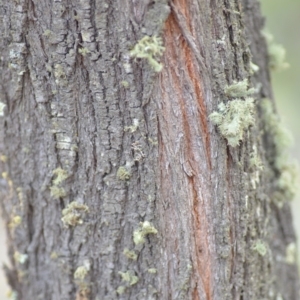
pixel 116 183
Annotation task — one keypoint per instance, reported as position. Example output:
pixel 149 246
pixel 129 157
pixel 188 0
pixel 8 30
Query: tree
pixel 140 158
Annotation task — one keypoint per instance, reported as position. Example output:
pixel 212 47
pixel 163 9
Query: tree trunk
pixel 116 182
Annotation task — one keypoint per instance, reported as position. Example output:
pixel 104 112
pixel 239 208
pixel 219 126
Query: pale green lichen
pixel 20 257
pixel 15 222
pixel 140 233
pixel 3 157
pixel 59 72
pixel 255 160
pixel 74 148
pixel 60 176
pixel 129 277
pixel 123 173
pixel 291 253
pixel 233 119
pixel 276 53
pixel 260 247
pixel 239 89
pixel 127 68
pixel 80 278
pixel 279 297
pixel 149 48
pixel 288 180
pixel 53 255
pixel 82 271
pixel 47 33
pixel 222 40
pixel 153 142
pixel 121 290
pixel 133 127
pixel 83 51
pixel 60 75
pixel 2 106
pixel 152 271
pixel 130 254
pixel 256 167
pixel 125 84
pixel 20 194
pixel 57 192
pixel 286 170
pixel 253 68
pixel 12 295
pixel 72 214
pixel 87 36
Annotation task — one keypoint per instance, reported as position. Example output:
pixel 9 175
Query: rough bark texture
pixel 84 121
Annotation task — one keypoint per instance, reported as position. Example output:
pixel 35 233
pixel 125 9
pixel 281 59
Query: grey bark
pixel 74 96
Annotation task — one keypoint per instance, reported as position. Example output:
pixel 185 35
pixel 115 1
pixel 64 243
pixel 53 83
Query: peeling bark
pixel 115 183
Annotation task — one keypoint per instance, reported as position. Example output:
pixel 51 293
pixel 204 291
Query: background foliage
pixel 283 21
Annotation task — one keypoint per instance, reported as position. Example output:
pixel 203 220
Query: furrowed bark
pixel 86 121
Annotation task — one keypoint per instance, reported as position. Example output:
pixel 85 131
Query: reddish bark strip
pixel 192 68
pixel 184 126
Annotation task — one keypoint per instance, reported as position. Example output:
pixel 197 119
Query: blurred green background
pixel 283 21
